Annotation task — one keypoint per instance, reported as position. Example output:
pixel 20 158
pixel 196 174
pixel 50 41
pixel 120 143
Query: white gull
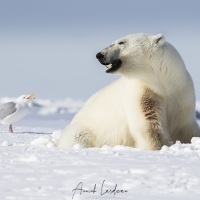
pixel 14 111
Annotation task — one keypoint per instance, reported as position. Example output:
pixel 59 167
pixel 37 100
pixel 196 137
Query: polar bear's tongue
pixel 109 66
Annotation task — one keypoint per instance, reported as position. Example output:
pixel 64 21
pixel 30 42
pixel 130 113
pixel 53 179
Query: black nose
pixel 99 56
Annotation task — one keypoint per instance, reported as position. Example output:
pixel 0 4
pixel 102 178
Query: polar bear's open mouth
pixel 114 66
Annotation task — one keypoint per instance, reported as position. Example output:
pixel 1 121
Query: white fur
pixel 114 115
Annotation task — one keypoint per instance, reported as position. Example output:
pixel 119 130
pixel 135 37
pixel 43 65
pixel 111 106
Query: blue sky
pixel 48 46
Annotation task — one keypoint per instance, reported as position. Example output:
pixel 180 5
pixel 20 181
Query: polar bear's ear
pixel 159 39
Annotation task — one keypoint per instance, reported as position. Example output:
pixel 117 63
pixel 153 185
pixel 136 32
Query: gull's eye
pixel 121 42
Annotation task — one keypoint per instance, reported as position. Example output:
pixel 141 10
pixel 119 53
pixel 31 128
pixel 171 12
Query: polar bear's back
pixel 102 115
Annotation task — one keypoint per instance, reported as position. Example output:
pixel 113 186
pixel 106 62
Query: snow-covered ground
pixel 31 170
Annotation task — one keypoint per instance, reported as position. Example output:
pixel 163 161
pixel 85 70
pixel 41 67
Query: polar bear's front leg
pixel 76 134
pixel 154 134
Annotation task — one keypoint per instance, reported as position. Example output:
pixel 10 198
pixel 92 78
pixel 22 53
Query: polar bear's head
pixel 131 53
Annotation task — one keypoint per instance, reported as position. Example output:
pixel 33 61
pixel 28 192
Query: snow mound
pixel 49 141
pixel 45 140
pixel 179 148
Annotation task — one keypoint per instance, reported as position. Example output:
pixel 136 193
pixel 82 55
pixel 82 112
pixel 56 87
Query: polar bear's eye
pixel 121 42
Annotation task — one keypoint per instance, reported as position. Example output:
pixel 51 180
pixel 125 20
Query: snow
pixel 32 168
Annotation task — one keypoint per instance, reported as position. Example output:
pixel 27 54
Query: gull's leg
pixel 10 128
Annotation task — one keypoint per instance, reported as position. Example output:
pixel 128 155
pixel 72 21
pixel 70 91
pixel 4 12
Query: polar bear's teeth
pixel 109 66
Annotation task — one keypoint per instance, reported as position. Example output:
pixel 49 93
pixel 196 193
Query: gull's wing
pixel 7 109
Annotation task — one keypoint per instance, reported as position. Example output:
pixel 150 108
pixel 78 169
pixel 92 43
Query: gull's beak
pixel 31 96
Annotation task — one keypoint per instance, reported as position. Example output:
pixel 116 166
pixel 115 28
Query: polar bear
pixel 151 105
